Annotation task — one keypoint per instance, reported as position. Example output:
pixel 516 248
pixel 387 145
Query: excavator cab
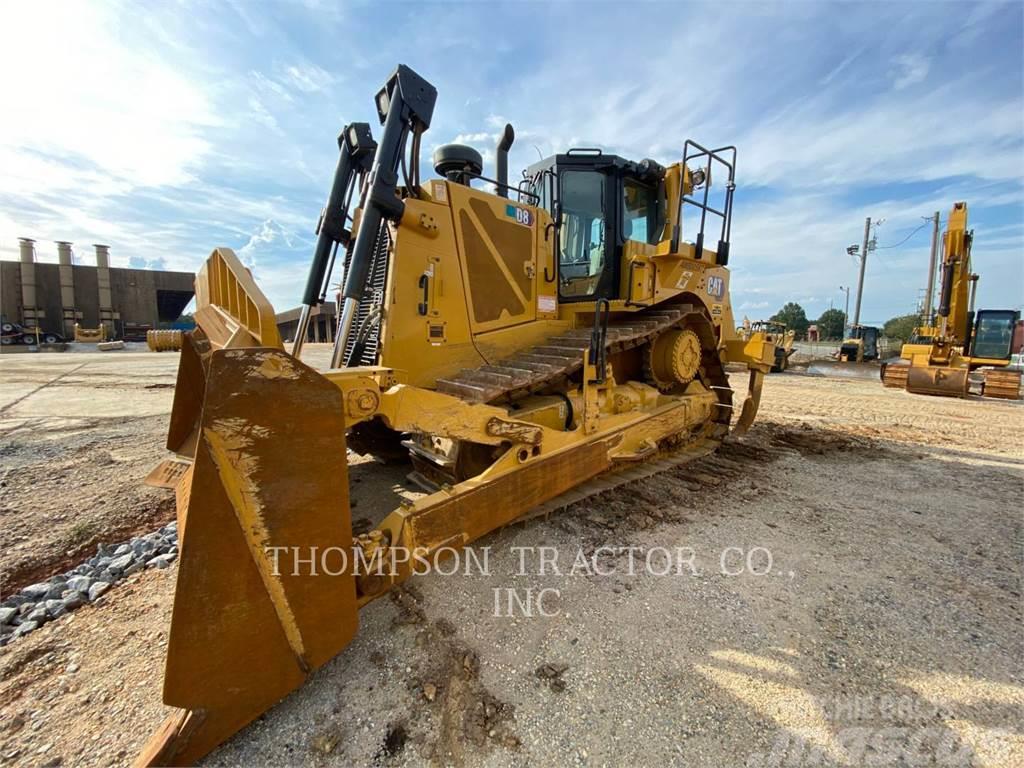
pixel 993 334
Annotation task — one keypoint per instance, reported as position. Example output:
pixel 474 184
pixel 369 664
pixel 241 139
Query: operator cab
pixel 993 333
pixel 598 202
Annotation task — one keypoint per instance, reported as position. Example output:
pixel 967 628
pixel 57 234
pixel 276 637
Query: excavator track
pixel 895 375
pixel 1002 384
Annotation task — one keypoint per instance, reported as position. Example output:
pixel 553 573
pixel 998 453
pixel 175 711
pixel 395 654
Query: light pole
pixel 846 312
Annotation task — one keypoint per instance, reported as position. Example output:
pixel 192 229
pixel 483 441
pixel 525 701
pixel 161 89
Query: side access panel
pixel 497 250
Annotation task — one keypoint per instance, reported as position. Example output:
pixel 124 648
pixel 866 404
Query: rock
pixel 56 590
pixel 55 608
pixel 15 600
pixel 25 628
pixel 26 608
pixel 161 561
pixel 106 576
pixel 7 615
pixel 124 549
pixel 140 547
pixel 73 599
pixel 72 668
pixel 98 589
pixel 36 592
pixel 134 568
pixel 325 743
pixel 118 564
pixel 38 616
pixel 429 691
pixel 103 562
pixel 80 583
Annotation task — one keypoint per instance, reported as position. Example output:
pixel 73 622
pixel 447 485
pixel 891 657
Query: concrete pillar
pixel 31 313
pixel 67 288
pixel 107 313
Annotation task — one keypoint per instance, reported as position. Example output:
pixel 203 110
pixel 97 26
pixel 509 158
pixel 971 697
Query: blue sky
pixel 169 129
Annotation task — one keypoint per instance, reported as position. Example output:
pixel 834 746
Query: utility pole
pixel 863 262
pixel 846 312
pixel 931 271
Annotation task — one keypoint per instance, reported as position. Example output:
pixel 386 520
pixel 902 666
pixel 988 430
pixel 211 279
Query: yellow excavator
pixel 525 345
pixel 947 348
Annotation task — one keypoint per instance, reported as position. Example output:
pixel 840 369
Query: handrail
pixel 725 214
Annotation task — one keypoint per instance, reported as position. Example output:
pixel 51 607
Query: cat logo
pixel 716 287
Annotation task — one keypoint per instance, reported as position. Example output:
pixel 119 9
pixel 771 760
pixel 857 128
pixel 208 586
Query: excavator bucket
pixel 269 479
pixel 937 380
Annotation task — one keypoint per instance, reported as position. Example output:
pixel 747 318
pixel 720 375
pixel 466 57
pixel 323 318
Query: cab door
pixel 586 245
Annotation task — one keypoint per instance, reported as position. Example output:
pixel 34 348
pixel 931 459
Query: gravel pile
pixel 39 603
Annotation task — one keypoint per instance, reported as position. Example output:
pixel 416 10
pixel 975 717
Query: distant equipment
pixel 945 350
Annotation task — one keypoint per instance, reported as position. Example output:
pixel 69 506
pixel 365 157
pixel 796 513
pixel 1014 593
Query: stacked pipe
pixel 164 341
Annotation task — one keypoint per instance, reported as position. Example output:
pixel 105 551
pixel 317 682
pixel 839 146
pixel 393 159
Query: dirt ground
pixel 848 593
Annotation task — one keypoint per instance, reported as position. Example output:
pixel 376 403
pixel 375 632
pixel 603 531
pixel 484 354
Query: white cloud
pixel 93 100
pixel 307 77
pixel 269 233
pixel 910 69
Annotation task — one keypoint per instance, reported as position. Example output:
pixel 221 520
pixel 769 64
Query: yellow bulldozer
pixel 945 350
pixel 860 346
pixel 774 333
pixel 525 345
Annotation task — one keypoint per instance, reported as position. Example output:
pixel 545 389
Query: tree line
pixel 832 323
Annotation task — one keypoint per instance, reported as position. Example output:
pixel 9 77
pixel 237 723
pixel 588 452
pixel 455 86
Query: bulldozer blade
pixel 937 380
pixel 188 393
pixel 269 472
pixel 843 370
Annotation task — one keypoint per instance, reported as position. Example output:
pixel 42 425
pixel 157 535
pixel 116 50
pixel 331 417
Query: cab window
pixel 581 258
pixel 993 335
pixel 639 213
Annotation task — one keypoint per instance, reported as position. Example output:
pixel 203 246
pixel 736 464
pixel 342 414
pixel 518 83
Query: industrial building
pixel 322 323
pixel 127 302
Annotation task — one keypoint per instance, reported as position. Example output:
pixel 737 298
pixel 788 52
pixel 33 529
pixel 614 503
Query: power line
pixel 901 242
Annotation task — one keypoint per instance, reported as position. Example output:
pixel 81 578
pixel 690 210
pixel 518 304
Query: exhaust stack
pixel 504 145
pixel 67 288
pixel 31 312
pixel 107 313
